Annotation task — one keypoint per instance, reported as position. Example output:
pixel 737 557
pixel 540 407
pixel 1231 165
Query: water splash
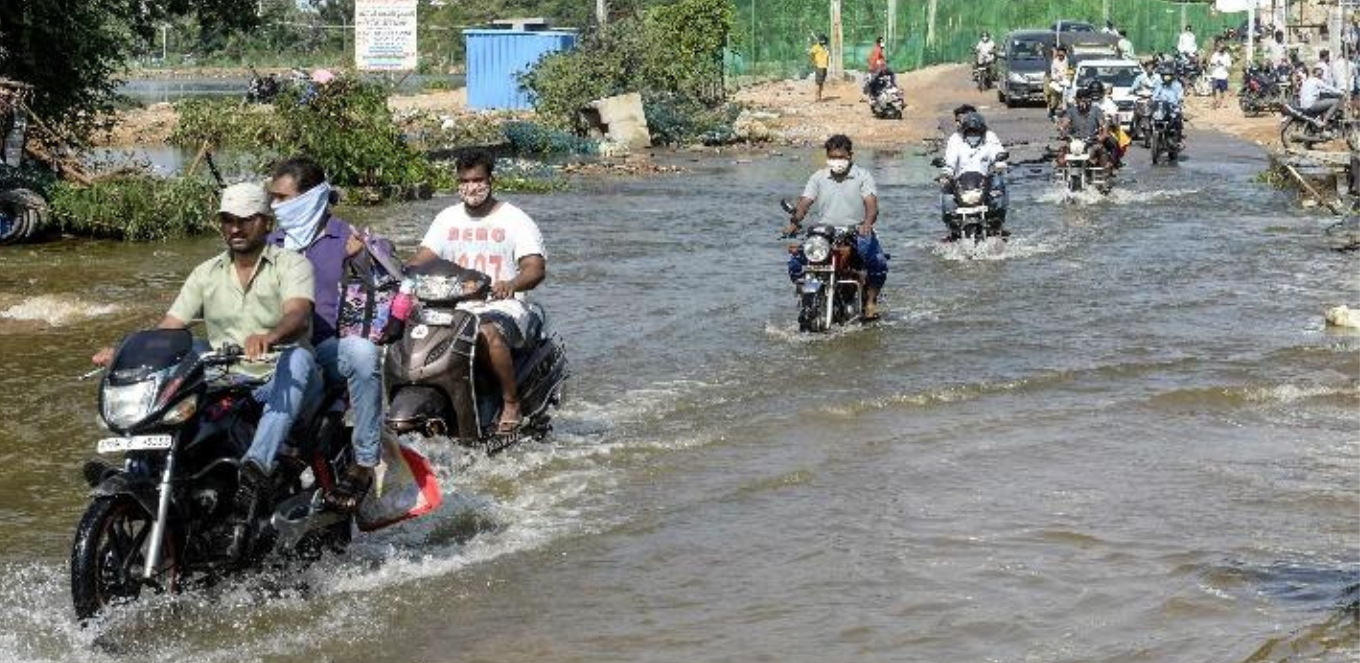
pixel 56 310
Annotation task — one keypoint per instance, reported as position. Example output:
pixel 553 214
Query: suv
pixel 1021 64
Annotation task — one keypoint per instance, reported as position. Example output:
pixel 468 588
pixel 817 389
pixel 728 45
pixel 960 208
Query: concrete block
pixel 620 120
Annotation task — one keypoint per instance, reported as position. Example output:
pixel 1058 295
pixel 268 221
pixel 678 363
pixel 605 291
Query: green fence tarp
pixel 771 37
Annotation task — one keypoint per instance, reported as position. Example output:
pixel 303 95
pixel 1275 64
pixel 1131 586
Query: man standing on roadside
pixel 821 59
pixel 1219 64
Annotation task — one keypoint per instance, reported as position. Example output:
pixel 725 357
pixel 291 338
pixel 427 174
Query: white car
pixel 1117 74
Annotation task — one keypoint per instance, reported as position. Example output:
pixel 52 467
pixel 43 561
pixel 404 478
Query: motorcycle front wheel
pixel 810 312
pixel 1294 133
pixel 109 556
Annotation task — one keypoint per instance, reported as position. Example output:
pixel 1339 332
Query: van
pixel 1023 61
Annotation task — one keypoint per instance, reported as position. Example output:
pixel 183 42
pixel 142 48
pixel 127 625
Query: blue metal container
pixel 496 58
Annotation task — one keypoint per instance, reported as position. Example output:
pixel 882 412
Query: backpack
pixel 368 285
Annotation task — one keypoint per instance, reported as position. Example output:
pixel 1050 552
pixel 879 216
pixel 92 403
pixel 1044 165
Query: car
pixel 1116 74
pixel 1072 26
pixel 1021 64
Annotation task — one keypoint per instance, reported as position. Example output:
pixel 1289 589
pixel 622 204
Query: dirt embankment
pixel 931 94
pixel 1263 129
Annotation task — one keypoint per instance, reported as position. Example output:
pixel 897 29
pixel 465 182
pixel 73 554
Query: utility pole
pixel 164 27
pixel 1105 8
pixel 930 23
pixel 837 46
pixel 890 36
pixel 601 13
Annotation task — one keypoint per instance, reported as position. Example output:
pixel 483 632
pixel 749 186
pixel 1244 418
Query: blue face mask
pixel 300 218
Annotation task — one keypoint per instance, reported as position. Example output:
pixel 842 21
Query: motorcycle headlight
pixel 181 412
pixel 971 197
pixel 816 249
pixel 1077 146
pixel 125 405
pixel 1016 77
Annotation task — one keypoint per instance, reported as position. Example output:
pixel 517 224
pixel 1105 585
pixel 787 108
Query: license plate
pixel 811 286
pixel 437 317
pixel 112 445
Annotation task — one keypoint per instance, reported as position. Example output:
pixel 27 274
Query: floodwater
pixel 155 90
pixel 1124 436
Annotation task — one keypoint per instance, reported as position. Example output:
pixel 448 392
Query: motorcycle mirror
pixel 937 162
pixel 1003 156
pixel 787 206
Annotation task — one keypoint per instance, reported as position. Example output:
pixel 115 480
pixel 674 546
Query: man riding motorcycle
pixel 498 239
pixel 1085 121
pixel 1317 98
pixel 1172 92
pixel 844 193
pixel 254 295
pixel 973 149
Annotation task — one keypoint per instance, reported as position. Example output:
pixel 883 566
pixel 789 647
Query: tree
pixel 72 52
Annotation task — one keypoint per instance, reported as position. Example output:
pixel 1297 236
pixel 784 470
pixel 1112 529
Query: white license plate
pixel 113 445
pixel 437 317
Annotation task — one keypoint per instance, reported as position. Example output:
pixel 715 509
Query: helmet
pixel 973 124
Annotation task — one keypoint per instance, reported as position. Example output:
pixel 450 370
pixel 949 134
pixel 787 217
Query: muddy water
pixel 1125 436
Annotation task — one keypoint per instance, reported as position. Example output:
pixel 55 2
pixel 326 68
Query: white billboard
pixel 385 35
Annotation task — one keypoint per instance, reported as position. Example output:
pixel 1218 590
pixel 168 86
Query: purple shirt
pixel 327 255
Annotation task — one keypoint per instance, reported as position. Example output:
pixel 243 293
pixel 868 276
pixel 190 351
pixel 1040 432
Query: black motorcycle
pixel 262 89
pixel 1190 72
pixel 976 215
pixel 886 101
pixel 984 73
pixel 432 374
pixel 1306 129
pixel 1262 90
pixel 831 286
pixel 182 420
pixel 1165 137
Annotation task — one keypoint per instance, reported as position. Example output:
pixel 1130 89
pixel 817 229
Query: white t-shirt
pixel 1220 63
pixel 492 244
pixel 1186 44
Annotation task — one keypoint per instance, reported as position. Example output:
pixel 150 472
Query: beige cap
pixel 245 200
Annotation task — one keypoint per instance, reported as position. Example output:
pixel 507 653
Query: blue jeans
pixel 294 386
pixel 870 253
pixel 357 361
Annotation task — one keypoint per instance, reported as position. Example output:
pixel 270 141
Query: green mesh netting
pixel 772 36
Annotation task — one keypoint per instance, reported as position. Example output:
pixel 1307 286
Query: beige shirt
pixel 232 312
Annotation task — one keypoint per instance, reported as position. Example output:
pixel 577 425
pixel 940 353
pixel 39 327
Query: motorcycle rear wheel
pixel 109 555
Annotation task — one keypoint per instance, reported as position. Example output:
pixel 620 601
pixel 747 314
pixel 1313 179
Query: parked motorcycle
pixel 1263 90
pixel 434 380
pixel 1305 129
pixel 1165 138
pixel 1190 71
pixel 831 285
pixel 182 420
pixel 886 100
pixel 984 72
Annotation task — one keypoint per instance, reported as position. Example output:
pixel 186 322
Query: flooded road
pixel 1125 436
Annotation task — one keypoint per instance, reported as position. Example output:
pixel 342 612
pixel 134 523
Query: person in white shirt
pixel 1186 44
pixel 1219 64
pixel 500 240
pixel 1317 98
pixel 1279 55
pixel 1059 77
pixel 1342 74
pixel 985 49
pixel 972 149
pixel 1124 46
pixel 1325 61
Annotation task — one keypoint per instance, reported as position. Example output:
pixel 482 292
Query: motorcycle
pixel 262 89
pixel 1078 171
pixel 984 72
pixel 432 375
pixel 885 98
pixel 1262 90
pixel 1142 117
pixel 1165 138
pixel 1191 74
pixel 831 285
pixel 975 218
pixel 1307 129
pixel 182 420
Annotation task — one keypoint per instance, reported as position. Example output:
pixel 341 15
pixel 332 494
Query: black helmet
pixel 1095 89
pixel 973 124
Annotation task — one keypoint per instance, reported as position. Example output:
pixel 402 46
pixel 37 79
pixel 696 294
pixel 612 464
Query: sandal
pixel 349 492
pixel 507 427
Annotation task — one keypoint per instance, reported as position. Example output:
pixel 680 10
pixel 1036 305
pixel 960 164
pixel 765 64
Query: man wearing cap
pixel 254 295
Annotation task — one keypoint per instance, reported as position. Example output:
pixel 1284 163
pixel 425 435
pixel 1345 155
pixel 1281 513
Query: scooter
pixel 434 381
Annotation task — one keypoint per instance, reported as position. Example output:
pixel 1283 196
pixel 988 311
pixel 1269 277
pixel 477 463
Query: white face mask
pixel 474 193
pixel 838 166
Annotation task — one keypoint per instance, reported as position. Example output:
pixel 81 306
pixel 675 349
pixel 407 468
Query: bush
pixel 135 207
pixel 674 50
pixel 532 138
pixel 226 122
